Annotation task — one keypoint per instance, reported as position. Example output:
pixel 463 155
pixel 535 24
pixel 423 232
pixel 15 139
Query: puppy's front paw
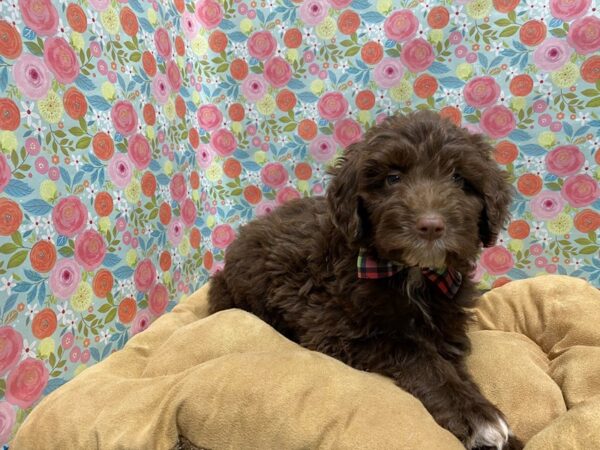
pixel 490 431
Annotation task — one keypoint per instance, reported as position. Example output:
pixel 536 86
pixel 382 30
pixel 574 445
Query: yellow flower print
pixel 8 141
pixel 82 298
pixel 110 21
pixel 565 77
pixel 48 190
pixel 266 105
pixel 133 191
pixel 46 347
pixel 401 92
pixel 327 28
pixel 560 225
pixel 169 109
pixel 214 172
pixel 51 108
pixel 478 9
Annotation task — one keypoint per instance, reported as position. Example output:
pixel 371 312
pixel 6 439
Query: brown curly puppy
pixel 376 274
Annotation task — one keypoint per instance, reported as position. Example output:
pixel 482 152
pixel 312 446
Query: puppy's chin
pixel 424 254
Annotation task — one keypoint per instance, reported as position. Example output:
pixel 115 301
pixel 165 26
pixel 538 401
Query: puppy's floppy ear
pixel 342 193
pixel 497 194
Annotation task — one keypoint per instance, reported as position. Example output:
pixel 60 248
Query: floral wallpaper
pixel 136 136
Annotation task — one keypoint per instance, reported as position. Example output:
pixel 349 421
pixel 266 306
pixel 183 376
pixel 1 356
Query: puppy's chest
pixel 410 306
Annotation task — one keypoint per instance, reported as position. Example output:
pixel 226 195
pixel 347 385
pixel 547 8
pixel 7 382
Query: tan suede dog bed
pixel 231 381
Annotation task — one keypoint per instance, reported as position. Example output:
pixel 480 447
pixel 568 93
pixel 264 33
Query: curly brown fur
pixel 296 267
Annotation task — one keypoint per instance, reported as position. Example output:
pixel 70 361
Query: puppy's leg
pixel 455 401
pixel 486 434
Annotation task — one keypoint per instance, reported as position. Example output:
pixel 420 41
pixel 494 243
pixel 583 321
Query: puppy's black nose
pixel 430 227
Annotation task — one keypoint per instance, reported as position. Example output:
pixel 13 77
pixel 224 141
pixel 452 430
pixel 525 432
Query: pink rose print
pixel 339 4
pixel 546 205
pixel 472 128
pixel 541 261
pixel 265 207
pixel 189 25
pixel 124 117
pixel 174 75
pixel 188 212
pixel 90 249
pixel 401 26
pixel 67 340
pixel 254 87
pixel 26 382
pixel 175 231
pixel 277 72
pixel 161 88
pixel 138 149
pixel 121 224
pixel 69 216
pixel 584 35
pixel 8 416
pixel 580 190
pixel 158 299
pixel 497 121
pixel 61 60
pixel 11 344
pixel 262 45
pixel 222 236
pixel 75 354
pixel 312 12
pixel 417 55
pixel 346 132
pixel 100 5
pixel 481 92
pixel 32 76
pixel 497 260
pixel 323 148
pixel 163 43
pixel 552 54
pixel 455 37
pixel 565 160
pixel 209 117
pixel 388 72
pixel 209 13
pixel 223 142
pixel 286 194
pixel 178 187
pixel 274 175
pixel 332 106
pixel 144 275
pixel 568 10
pixel 477 274
pixel 119 170
pixel 64 278
pixel 141 322
pixel 39 15
pixel 53 173
pixel 204 156
pixel 5 173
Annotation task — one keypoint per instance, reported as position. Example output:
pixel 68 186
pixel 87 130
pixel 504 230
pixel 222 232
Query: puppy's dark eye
pixel 393 178
pixel 457 178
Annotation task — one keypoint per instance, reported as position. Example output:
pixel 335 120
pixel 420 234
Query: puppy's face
pixel 420 191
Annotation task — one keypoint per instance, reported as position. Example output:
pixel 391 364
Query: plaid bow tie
pixel 445 279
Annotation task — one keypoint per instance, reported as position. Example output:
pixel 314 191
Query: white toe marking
pixel 491 434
